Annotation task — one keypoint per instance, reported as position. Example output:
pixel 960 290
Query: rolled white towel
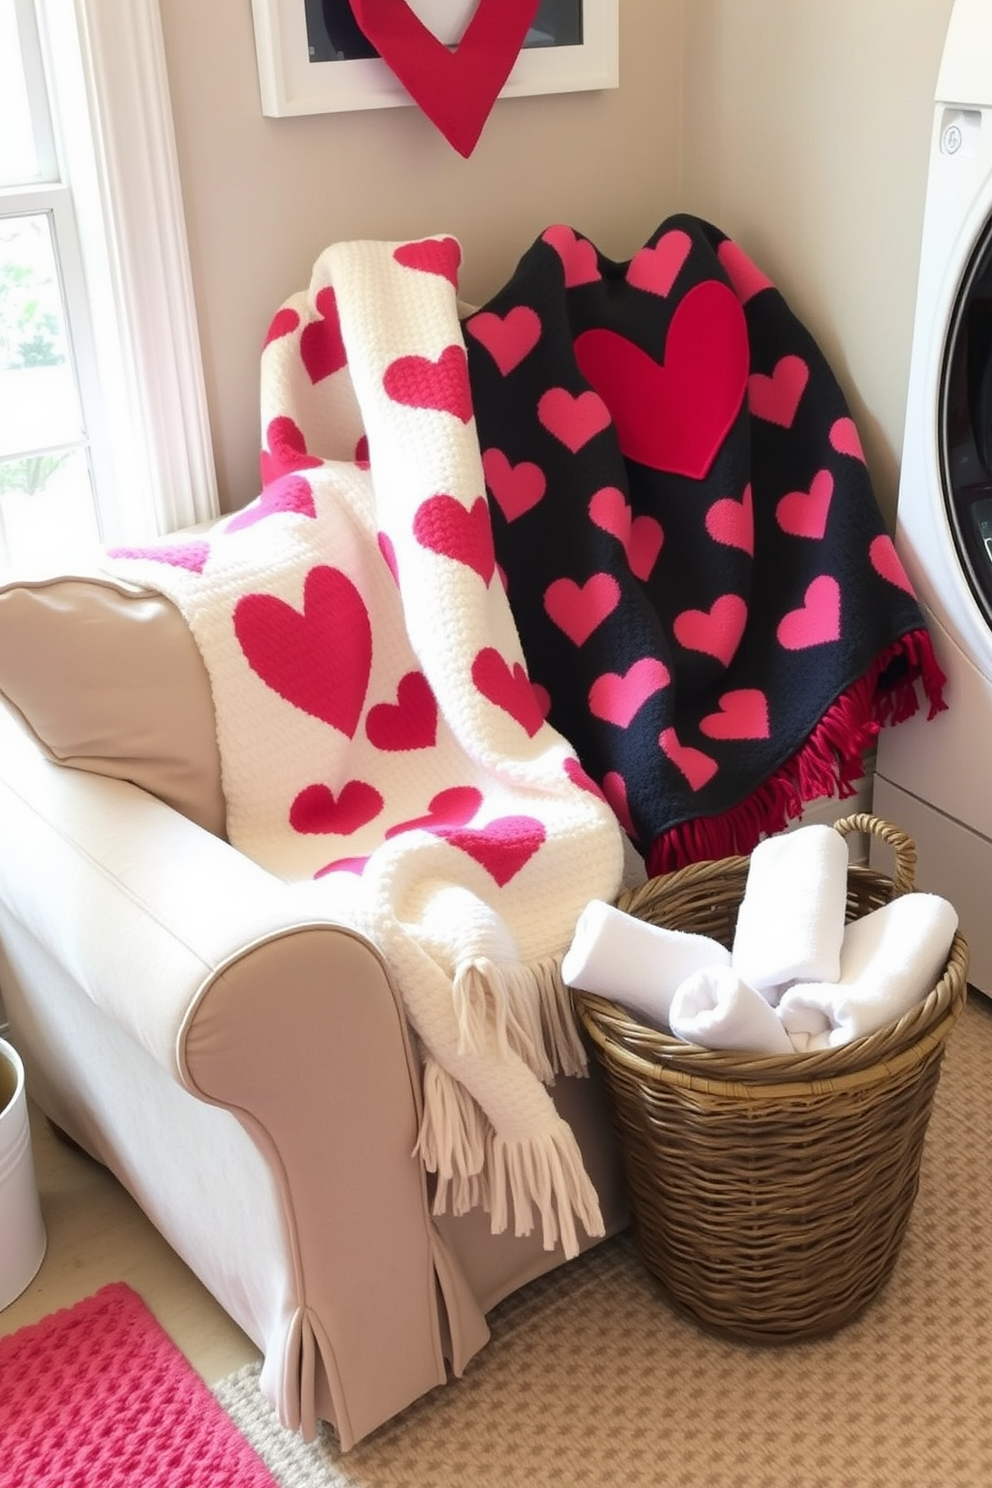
pixel 890 959
pixel 633 962
pixel 715 1008
pixel 790 923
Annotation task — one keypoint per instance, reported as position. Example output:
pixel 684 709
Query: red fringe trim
pixel 830 763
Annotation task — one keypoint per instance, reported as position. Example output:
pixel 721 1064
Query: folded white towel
pixel 889 961
pixel 713 1007
pixel 791 919
pixel 633 962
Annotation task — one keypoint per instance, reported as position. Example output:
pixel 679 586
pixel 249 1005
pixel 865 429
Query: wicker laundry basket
pixel 770 1194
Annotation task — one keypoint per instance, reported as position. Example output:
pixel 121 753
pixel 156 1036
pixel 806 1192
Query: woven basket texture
pixel 770 1194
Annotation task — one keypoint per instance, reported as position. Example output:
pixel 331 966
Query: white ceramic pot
pixel 22 1230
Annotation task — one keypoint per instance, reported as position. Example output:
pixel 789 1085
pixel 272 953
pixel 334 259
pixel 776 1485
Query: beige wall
pixel 807 133
pixel 801 127
pixel 264 196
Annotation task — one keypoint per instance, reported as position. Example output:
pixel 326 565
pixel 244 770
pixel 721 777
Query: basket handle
pixel 904 847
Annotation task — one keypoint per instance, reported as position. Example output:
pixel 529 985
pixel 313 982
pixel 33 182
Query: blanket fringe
pixel 522 1008
pixel 452 1141
pixel 547 1172
pixel 830 762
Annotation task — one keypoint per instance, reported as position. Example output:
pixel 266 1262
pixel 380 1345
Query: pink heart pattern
pixel 579 609
pixel 776 396
pixel 507 687
pixel 817 621
pixel 886 562
pixel 732 522
pixel 578 256
pixel 805 513
pixel 192 556
pixel 454 806
pixel 716 631
pixel 617 698
pixel 697 768
pixel 503 847
pixel 573 418
pixel 656 269
pixel 516 488
pixel 742 714
pixel 290 493
pixel 508 338
pixel 641 537
pixel 464 534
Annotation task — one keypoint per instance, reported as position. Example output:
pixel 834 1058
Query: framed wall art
pixel 313 58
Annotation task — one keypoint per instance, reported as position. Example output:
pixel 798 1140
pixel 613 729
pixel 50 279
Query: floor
pixel 96 1234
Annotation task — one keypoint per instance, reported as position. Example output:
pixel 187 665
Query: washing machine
pixel 934 779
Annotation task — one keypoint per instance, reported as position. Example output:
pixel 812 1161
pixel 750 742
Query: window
pixel 103 427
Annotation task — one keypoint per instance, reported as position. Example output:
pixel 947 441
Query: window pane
pixel 46 507
pixel 18 157
pixel 39 401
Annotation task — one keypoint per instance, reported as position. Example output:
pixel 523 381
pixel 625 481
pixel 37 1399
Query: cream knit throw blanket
pixel 380 740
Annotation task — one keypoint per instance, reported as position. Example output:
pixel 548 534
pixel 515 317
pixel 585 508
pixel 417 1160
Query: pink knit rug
pixel 98 1394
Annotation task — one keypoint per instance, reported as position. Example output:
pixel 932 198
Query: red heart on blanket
pixel 642 538
pixel 419 382
pixel 579 609
pixel 286 450
pixel 502 847
pixel 804 513
pixel 515 488
pixel 731 522
pixel 316 810
pixel 573 418
pixel 441 256
pixel 615 791
pixel 343 865
pixel 192 556
pixel 578 257
pixel 410 722
pixel 507 338
pixel 744 275
pixel 579 777
pixel 321 347
pixel 453 807
pixel 743 715
pixel 845 438
pixel 290 493
pixel 282 324
pixel 617 698
pixel 888 565
pixel 386 548
pixel 509 688
pixel 465 534
pixel 817 621
pixel 656 269
pixel 675 415
pixel 456 88
pixel 777 396
pixel 716 631
pixel 318 660
pixel 697 767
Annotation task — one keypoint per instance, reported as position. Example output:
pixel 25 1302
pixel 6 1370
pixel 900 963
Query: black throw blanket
pixel 695 558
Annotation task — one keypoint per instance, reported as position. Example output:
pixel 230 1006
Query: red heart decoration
pixel 507 338
pixel 456 88
pixel 283 323
pixel 286 450
pixel 319 660
pixel 697 767
pixel 321 346
pixel 453 807
pixel 410 722
pixel 443 525
pixel 417 382
pixel 317 810
pixel 508 688
pixel 502 847
pixel 440 256
pixel 675 415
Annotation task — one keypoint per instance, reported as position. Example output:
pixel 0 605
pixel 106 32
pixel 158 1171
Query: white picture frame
pixel 290 84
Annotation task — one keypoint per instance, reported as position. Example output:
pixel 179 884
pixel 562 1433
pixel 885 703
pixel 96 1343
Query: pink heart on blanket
pixel 618 698
pixel 697 767
pixel 675 415
pixel 572 418
pixel 743 714
pixel 579 777
pixel 656 269
pixel 508 688
pixel 716 631
pixel 446 527
pixel 441 256
pixel 502 847
pixel 410 722
pixel 316 810
pixel 642 538
pixel 804 513
pixel 283 323
pixel 343 865
pixel 817 621
pixel 776 397
pixel 745 276
pixel 578 256
pixel 321 347
pixel 385 545
pixel 887 564
pixel 579 609
pixel 192 556
pixel 615 791
pixel 318 660
pixel 516 488
pixel 441 385
pixel 286 450
pixel 845 438
pixel 288 494
pixel 507 338
pixel 453 807
pixel 731 522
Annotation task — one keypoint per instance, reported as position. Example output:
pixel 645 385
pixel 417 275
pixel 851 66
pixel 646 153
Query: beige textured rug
pixel 590 1378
